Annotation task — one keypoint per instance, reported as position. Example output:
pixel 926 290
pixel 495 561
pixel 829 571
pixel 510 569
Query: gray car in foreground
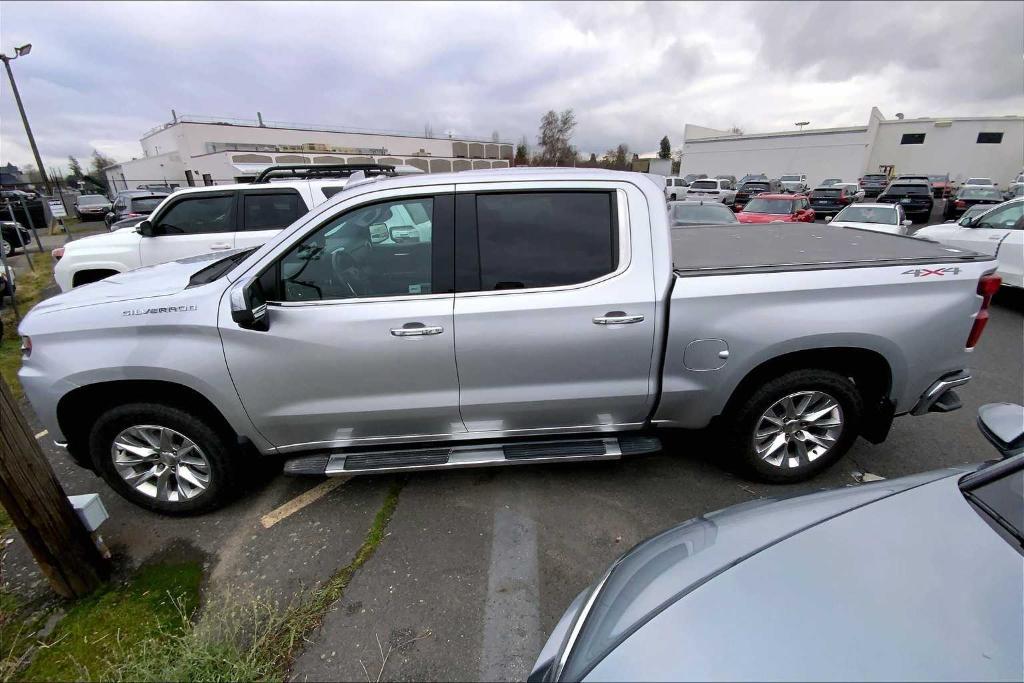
pixel 918 578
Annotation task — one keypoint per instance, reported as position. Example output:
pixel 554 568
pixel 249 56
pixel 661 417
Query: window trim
pixel 240 208
pixel 441 260
pixel 192 196
pixel 468 238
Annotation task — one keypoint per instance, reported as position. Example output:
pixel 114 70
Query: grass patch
pixel 101 633
pixel 144 631
pixel 30 286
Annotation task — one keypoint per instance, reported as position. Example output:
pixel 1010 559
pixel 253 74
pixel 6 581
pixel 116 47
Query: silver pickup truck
pixel 521 316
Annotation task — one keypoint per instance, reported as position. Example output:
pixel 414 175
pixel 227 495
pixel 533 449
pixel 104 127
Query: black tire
pixel 743 420
pixel 216 448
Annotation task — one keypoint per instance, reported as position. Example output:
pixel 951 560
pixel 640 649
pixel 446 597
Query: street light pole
pixel 19 52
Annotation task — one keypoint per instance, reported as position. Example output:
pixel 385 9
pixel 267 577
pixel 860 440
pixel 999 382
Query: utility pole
pixel 21 52
pixel 60 543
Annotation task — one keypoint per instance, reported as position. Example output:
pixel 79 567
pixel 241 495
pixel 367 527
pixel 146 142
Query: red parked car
pixel 777 208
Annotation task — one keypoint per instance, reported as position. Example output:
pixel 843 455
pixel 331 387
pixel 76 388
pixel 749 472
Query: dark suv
pixel 134 204
pixel 914 196
pixel 752 188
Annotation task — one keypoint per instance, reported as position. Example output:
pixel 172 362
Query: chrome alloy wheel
pixel 160 463
pixel 798 429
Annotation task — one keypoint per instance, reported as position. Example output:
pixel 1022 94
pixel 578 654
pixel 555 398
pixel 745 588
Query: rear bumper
pixel 940 396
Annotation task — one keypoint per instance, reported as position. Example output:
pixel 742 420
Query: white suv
pixel 191 222
pixel 712 189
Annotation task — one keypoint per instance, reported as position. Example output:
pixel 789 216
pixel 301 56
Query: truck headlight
pixel 26 346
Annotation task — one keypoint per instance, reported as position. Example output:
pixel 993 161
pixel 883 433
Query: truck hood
pixel 125 238
pixel 142 283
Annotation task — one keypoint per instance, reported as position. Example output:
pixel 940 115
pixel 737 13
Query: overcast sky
pixel 101 74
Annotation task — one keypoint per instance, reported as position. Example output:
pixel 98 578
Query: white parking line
pixel 302 500
pixel 512 616
pixel 42 433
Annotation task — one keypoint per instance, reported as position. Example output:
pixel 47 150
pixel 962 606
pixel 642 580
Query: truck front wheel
pixel 795 425
pixel 162 458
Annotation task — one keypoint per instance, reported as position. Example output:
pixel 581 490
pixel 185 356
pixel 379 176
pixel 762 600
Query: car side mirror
pixel 379 232
pixel 828 219
pixel 1003 425
pixel 249 306
pixel 146 229
pixel 109 216
pixel 907 222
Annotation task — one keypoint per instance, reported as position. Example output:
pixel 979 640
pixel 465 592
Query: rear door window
pixel 545 239
pixel 271 210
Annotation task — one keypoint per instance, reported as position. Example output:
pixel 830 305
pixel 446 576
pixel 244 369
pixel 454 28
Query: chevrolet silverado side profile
pixel 521 316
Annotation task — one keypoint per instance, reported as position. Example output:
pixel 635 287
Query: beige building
pixel 191 150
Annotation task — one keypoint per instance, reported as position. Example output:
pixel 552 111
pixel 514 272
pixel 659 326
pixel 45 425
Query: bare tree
pixel 617 158
pixel 495 137
pixel 428 130
pixel 736 130
pixel 554 139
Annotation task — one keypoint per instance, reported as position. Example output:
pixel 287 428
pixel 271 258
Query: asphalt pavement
pixel 476 566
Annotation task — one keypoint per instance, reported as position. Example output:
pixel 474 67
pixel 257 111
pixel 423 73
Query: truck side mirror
pixel 1003 425
pixel 146 229
pixel 249 305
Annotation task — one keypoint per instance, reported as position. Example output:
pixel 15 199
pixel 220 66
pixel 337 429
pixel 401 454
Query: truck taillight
pixel 26 346
pixel 57 253
pixel 988 285
pixel 961 204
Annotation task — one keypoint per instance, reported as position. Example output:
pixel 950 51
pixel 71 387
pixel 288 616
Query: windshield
pixel 905 190
pixel 831 181
pixel 978 181
pixel 867 214
pixel 1018 191
pixel 701 214
pixel 704 185
pixel 876 176
pixel 827 193
pixel 789 178
pixel 145 204
pixel 92 200
pixel 973 211
pixel 980 193
pixel 939 178
pixel 774 206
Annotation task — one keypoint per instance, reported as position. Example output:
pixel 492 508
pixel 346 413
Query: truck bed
pixel 748 248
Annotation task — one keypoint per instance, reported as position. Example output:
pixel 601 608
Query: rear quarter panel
pixel 919 323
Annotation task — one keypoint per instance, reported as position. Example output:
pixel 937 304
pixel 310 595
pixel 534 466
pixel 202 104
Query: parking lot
pixel 476 566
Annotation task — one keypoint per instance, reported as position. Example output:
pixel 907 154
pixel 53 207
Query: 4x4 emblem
pixel 923 272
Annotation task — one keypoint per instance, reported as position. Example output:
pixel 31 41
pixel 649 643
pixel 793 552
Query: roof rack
pixel 308 171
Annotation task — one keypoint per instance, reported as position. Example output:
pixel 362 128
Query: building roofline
pixel 779 134
pixel 954 119
pixel 304 127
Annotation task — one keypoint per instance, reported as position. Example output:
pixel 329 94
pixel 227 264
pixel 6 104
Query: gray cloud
pixel 100 74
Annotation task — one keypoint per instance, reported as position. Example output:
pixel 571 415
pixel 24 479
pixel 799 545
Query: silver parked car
pixel 918 578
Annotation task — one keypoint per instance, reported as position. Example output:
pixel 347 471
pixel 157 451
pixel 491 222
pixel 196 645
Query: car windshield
pixel 978 181
pixel 789 178
pixel 774 206
pixel 701 214
pixel 145 204
pixel 704 185
pixel 92 200
pixel 218 268
pixel 905 190
pixel 876 176
pixel 849 187
pixel 827 193
pixel 830 181
pixel 939 178
pixel 973 211
pixel 1018 191
pixel 867 214
pixel 980 193
pixel 755 187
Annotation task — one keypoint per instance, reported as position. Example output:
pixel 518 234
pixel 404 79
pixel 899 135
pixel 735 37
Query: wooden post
pixel 36 502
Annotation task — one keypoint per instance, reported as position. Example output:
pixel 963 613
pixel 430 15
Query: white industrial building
pixel 192 150
pixel 991 146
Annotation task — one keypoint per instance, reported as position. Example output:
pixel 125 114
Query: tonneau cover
pixel 718 249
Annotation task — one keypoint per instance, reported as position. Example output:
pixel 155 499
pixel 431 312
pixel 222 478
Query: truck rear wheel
pixel 795 425
pixel 162 458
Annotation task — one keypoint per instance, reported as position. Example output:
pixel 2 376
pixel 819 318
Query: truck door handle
pixel 618 318
pixel 416 330
pixel 220 245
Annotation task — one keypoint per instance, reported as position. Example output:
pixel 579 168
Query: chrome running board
pixel 475 455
